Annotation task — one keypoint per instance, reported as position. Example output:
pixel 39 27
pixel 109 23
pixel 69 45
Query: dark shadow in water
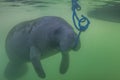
pixel 31 2
pixel 13 0
pixel 14 5
pixel 109 12
pixel 41 6
pixel 37 2
pixel 34 3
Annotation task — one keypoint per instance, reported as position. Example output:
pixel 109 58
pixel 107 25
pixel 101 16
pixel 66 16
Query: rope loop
pixel 80 27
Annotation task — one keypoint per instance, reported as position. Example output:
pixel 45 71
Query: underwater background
pixel 99 56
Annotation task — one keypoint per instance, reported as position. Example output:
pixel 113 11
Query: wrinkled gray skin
pixel 34 40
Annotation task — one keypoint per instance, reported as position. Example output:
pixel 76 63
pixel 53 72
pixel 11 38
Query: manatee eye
pixel 58 31
pixel 71 36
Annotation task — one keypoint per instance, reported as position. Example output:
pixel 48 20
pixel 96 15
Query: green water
pixel 98 58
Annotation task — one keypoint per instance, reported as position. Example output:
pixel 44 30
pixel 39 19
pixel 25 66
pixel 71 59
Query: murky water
pixel 99 56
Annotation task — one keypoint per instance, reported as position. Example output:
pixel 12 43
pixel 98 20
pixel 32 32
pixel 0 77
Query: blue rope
pixel 79 27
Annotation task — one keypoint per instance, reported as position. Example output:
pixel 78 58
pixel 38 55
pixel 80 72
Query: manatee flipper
pixel 35 59
pixel 64 63
pixel 15 70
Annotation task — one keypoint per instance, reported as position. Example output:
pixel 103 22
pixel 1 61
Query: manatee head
pixel 76 44
pixel 70 42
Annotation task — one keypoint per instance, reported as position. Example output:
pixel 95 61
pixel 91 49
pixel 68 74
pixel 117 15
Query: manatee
pixel 34 40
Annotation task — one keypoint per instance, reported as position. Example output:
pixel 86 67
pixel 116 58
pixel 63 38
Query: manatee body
pixel 34 40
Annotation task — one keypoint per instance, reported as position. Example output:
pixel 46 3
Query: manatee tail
pixel 14 70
